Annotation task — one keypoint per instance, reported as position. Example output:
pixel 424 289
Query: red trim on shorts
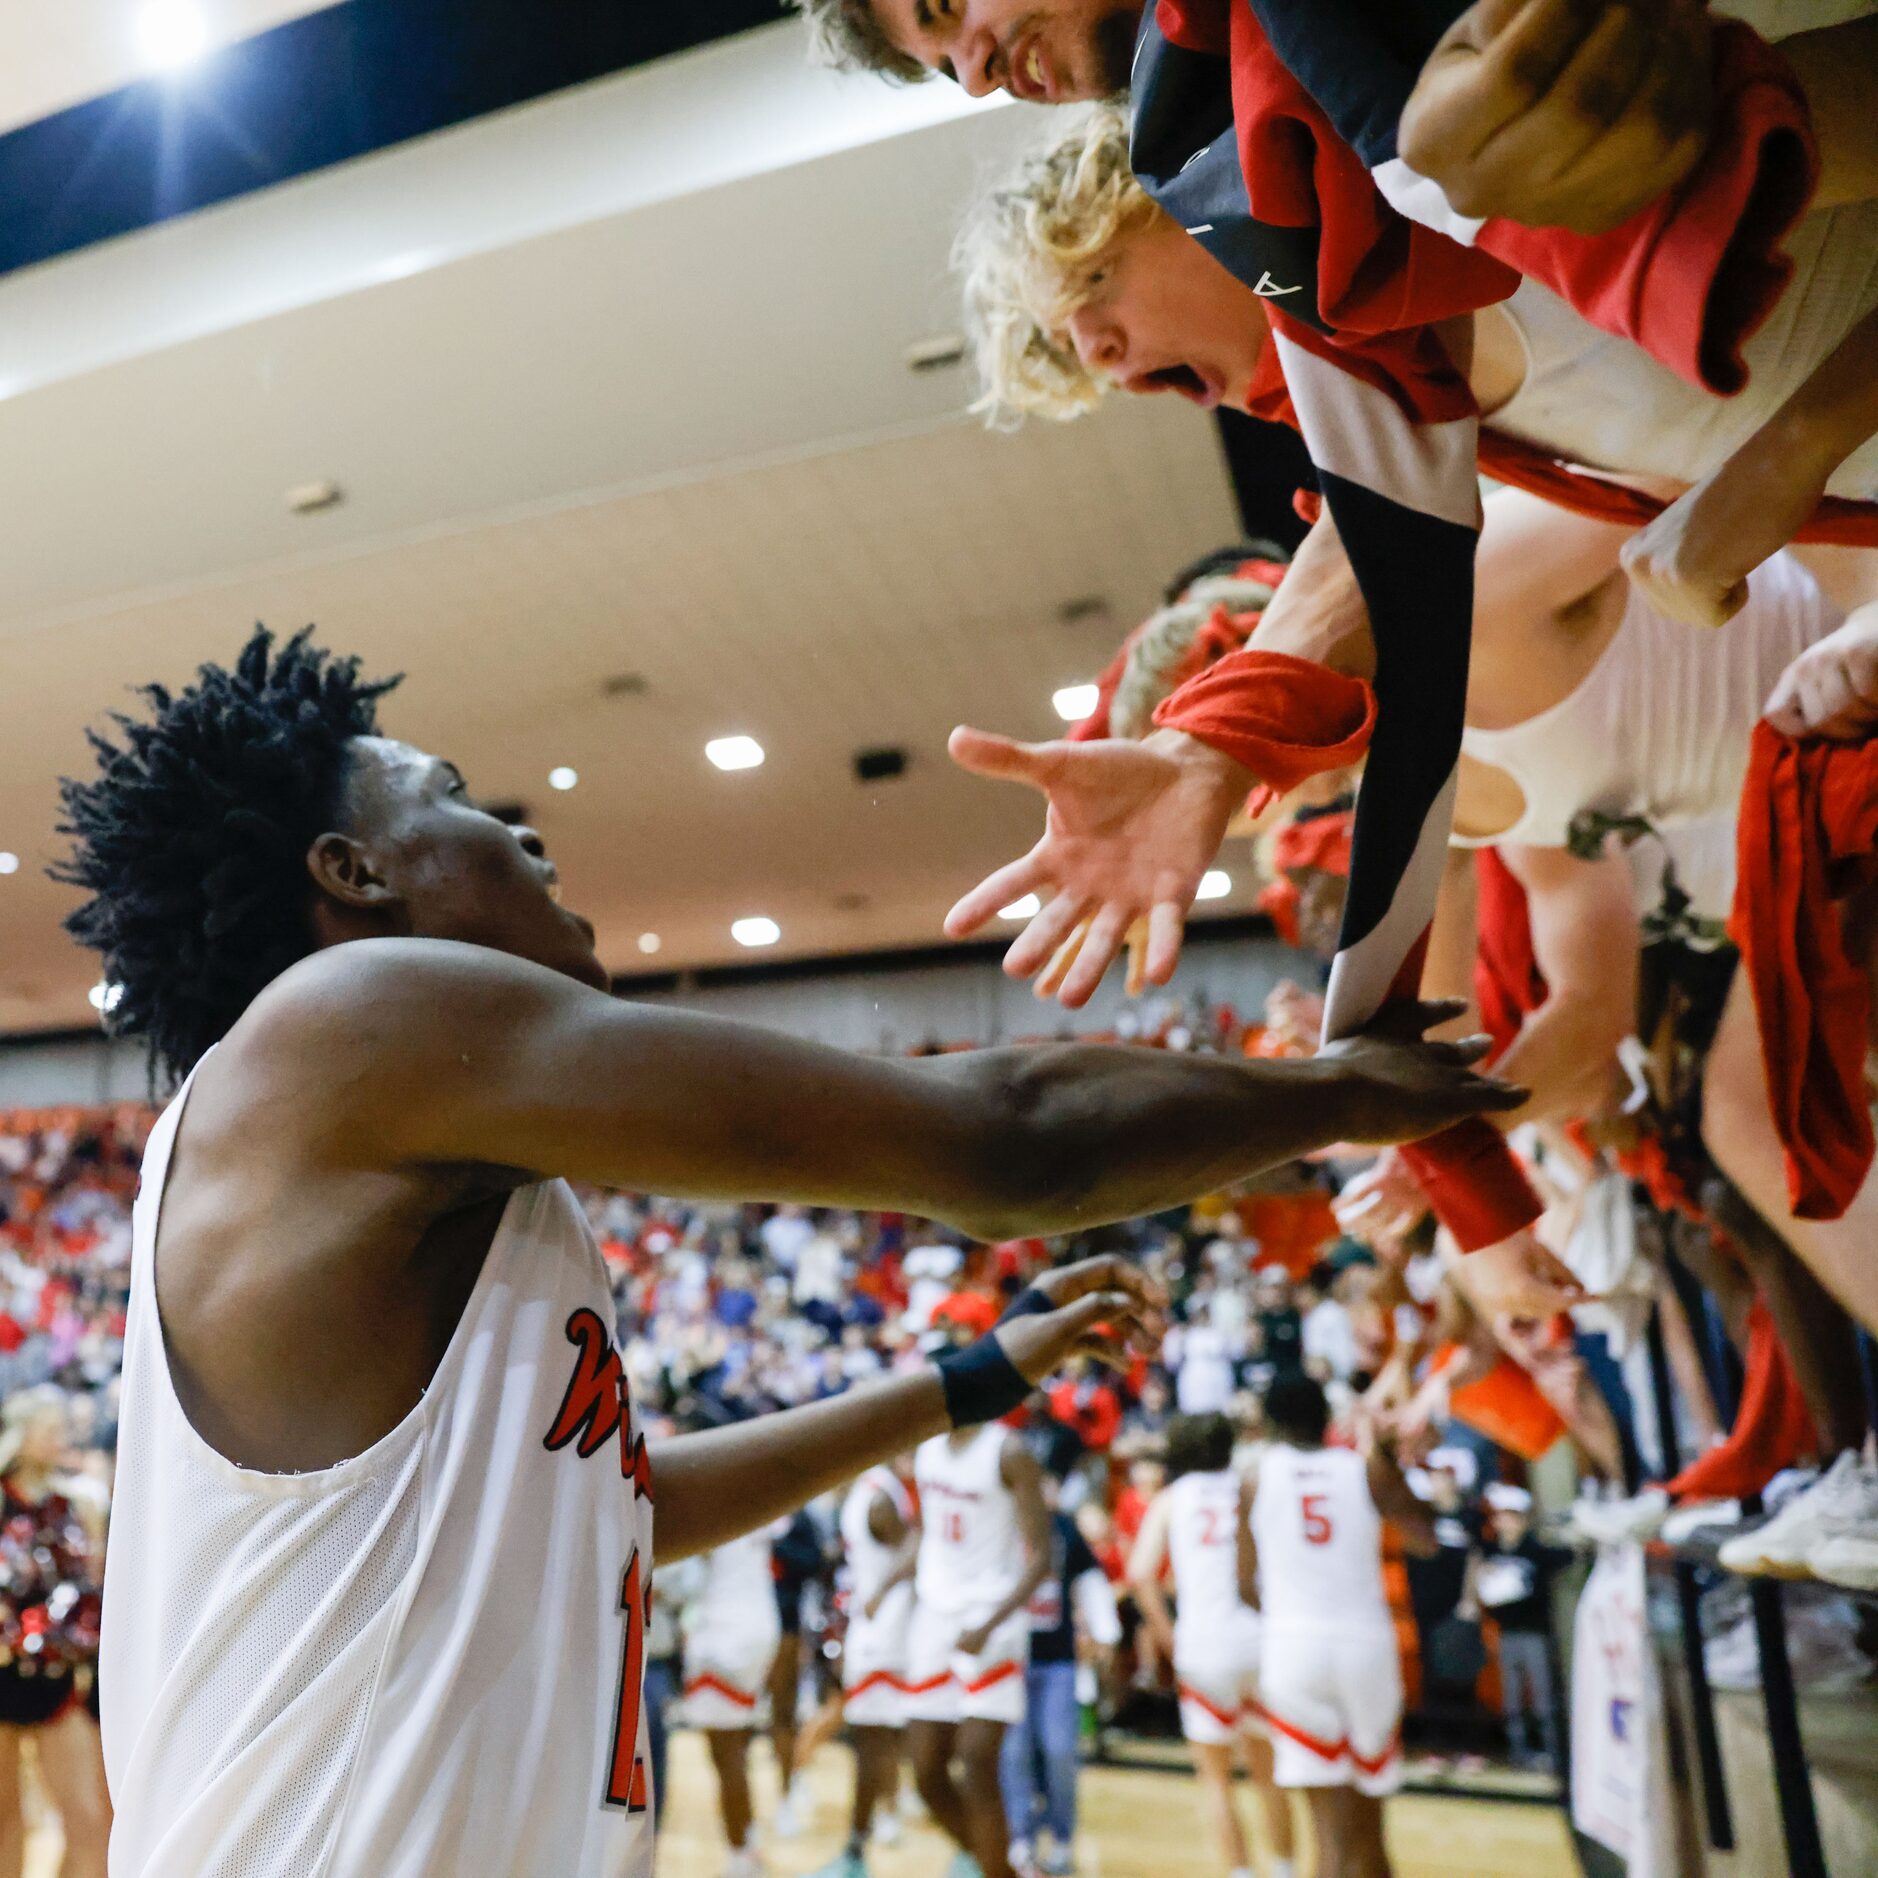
pixel 1002 1673
pixel 1226 1718
pixel 1324 1750
pixel 719 1686
pixel 929 1685
pixel 1372 1768
pixel 876 1679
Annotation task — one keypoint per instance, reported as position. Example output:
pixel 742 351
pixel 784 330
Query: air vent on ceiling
pixel 624 685
pixel 1085 610
pixel 881 765
pixel 938 353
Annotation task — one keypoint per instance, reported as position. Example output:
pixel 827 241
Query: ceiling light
pixel 105 997
pixel 173 33
pixel 649 942
pixel 9 863
pixel 1075 702
pixel 1026 908
pixel 563 778
pixel 755 932
pixel 1215 884
pixel 735 752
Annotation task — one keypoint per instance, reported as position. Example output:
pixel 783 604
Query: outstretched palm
pixel 1130 830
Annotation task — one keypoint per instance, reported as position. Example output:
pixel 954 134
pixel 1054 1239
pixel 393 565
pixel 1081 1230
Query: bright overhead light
pixel 9 863
pixel 755 932
pixel 563 778
pixel 735 752
pixel 1026 908
pixel 649 942
pixel 1215 884
pixel 173 33
pixel 105 997
pixel 1075 702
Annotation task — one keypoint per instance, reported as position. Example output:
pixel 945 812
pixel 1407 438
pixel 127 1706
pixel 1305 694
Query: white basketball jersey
pixel 1203 1545
pixel 971 1549
pixel 739 1589
pixel 424 1660
pixel 1319 1539
pixel 868 1560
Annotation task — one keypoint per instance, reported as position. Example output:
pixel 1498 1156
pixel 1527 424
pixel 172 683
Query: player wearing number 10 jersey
pixel 382 1538
pixel 1330 1677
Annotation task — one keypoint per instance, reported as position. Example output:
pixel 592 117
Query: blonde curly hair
pixel 1026 255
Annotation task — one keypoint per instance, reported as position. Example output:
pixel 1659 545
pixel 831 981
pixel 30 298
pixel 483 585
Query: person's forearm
pixel 1110 1132
pixel 1831 414
pixel 1566 1054
pixel 1318 612
pixel 714 1487
pixel 1453 942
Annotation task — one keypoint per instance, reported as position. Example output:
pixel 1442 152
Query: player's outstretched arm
pixel 434 1054
pixel 713 1487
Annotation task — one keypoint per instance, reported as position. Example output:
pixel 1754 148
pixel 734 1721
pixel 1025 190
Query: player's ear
pixel 342 870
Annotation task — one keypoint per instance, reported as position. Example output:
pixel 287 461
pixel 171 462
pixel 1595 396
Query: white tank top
pixel 971 1550
pixel 868 1560
pixel 1660 726
pixel 1203 1544
pixel 423 1661
pixel 1319 1540
pixel 739 1588
pixel 1606 404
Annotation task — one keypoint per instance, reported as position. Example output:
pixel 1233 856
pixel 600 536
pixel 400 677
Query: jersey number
pixel 954 1527
pixel 626 1771
pixel 1215 1526
pixel 1317 1528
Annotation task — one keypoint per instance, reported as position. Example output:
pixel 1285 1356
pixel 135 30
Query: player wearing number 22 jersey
pixel 458 1690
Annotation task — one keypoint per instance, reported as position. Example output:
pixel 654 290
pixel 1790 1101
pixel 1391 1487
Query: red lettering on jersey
pixel 597 1405
pixel 1216 1526
pixel 1317 1527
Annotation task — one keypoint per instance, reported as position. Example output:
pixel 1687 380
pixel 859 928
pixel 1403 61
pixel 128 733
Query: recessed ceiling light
pixel 173 33
pixel 1215 884
pixel 563 778
pixel 9 863
pixel 755 932
pixel 1026 908
pixel 1075 702
pixel 105 997
pixel 649 942
pixel 734 752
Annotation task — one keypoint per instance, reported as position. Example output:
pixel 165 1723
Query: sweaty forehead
pixel 382 772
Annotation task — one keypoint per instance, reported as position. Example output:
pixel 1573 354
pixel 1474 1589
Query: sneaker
pixel 1699 1516
pixel 1058 1862
pixel 848 1864
pixel 1618 1522
pixel 1823 1652
pixel 1842 1503
pixel 793 1811
pixel 743 1862
pixel 1847 1560
pixel 888 1826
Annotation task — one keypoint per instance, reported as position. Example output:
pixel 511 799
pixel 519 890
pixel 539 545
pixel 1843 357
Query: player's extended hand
pixel 972 1642
pixel 1563 113
pixel 1519 1278
pixel 1104 1308
pixel 1693 562
pixel 1402 1087
pixel 1130 830
pixel 1831 689
pixel 1383 1204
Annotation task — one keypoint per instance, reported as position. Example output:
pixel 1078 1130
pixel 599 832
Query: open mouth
pixel 1030 76
pixel 1183 379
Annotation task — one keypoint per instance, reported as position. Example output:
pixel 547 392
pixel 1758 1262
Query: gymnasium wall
pixel 875 1006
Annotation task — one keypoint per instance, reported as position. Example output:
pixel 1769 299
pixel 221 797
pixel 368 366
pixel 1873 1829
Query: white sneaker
pixel 793 1811
pixel 1849 1561
pixel 743 1862
pixel 888 1829
pixel 1699 1516
pixel 1842 1503
pixel 1615 1522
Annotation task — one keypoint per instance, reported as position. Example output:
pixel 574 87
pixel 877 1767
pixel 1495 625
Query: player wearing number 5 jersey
pixel 1330 1677
pixel 382 1539
pixel 1215 1639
